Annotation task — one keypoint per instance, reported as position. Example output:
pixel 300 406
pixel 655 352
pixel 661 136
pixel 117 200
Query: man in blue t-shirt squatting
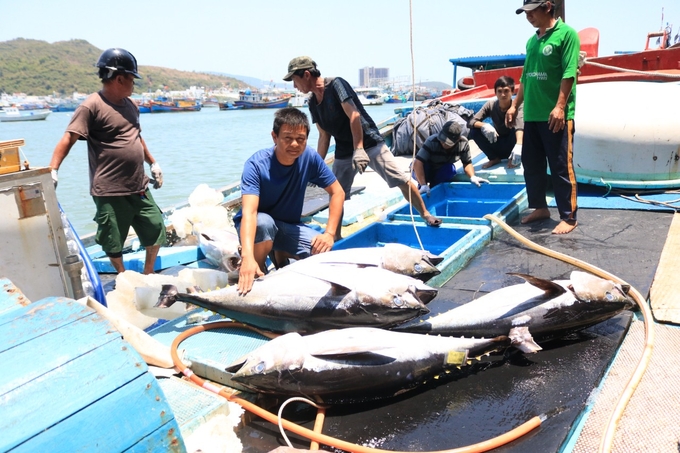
pixel 273 188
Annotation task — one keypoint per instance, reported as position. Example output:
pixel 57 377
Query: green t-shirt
pixel 550 58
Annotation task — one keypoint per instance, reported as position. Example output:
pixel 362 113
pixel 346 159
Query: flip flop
pixel 432 221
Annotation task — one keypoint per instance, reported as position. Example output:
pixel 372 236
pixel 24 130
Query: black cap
pixel 530 5
pixel 450 133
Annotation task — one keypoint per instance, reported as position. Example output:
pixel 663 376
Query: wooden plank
pixel 45 353
pixel 135 414
pixel 46 315
pixel 164 439
pixel 11 297
pixel 11 143
pixel 663 293
pixel 60 393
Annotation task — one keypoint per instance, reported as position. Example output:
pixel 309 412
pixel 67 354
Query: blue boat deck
pixel 71 381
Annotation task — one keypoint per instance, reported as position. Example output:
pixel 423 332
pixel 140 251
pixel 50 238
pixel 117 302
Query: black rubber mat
pixel 497 396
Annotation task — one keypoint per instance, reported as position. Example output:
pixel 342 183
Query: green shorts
pixel 115 216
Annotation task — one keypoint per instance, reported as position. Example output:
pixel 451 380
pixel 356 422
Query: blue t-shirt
pixel 333 119
pixel 282 188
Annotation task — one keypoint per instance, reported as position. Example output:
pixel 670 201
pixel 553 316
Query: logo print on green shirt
pixel 548 50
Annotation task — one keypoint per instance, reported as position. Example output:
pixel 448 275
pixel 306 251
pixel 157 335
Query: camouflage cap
pixel 298 63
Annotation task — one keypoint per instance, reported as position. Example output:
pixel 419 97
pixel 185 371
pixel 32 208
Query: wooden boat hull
pixel 627 136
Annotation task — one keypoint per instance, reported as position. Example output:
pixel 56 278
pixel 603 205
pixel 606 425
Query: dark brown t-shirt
pixel 114 145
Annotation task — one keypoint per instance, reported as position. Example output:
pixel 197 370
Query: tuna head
pixel 589 288
pixel 405 260
pixel 264 365
pixel 221 248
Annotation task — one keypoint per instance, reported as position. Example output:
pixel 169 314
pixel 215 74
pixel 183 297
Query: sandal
pixel 432 221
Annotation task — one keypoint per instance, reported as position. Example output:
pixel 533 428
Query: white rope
pixel 285 403
pixel 415 130
pixel 634 71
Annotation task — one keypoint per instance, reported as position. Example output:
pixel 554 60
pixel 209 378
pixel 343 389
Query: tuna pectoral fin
pixel 167 297
pixel 551 289
pixel 521 338
pixel 236 365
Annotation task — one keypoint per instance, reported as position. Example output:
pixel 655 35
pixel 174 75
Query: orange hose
pixel 229 394
pixel 318 426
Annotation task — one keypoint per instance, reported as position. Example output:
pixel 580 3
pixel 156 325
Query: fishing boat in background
pixel 8 114
pixel 660 64
pixel 395 99
pixel 299 100
pixel 229 106
pixel 370 96
pixel 162 105
pixel 255 99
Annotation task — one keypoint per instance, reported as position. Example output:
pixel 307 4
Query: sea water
pixel 192 148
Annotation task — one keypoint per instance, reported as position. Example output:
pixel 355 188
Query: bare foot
pixel 491 163
pixel 538 214
pixel 565 226
pixel 513 166
pixel 432 220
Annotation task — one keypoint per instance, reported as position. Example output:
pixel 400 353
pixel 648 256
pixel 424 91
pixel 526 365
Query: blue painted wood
pixel 167 257
pixel 26 323
pixel 76 385
pixel 61 392
pixel 47 352
pixel 11 297
pixel 141 415
pixel 163 440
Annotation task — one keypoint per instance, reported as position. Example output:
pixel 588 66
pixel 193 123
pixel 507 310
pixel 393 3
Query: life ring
pixel 465 83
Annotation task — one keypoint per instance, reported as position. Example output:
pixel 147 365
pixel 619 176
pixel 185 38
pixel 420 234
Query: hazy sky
pixel 257 38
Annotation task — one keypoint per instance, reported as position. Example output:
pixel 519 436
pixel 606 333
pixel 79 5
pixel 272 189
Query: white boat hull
pixel 627 135
pixel 12 114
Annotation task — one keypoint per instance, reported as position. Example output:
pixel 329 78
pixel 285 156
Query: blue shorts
pixel 295 239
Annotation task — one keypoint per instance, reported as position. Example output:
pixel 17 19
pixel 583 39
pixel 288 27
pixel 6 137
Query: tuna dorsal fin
pixel 551 289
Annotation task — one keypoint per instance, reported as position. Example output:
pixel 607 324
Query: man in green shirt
pixel 548 91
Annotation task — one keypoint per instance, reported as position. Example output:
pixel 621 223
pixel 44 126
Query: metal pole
pixel 73 266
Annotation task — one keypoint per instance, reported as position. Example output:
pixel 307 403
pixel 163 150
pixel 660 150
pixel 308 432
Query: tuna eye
pixel 609 296
pixel 259 368
pixel 418 267
pixel 397 301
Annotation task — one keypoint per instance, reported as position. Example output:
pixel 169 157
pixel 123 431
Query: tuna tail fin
pixel 167 297
pixel 521 338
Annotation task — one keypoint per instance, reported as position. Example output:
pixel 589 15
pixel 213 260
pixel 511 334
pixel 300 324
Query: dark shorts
pixel 293 238
pixel 115 216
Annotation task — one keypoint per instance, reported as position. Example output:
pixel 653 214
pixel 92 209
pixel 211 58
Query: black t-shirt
pixel 332 118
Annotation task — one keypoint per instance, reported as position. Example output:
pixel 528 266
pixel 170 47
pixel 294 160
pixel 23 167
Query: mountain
pixel 38 68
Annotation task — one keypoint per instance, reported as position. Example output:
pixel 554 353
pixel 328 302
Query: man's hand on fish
pixel 322 243
pixel 247 274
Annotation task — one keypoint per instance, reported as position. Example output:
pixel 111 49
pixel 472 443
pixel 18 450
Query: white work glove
pixel 360 160
pixel 477 181
pixel 490 132
pixel 156 175
pixel 515 159
pixel 424 189
pixel 55 178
